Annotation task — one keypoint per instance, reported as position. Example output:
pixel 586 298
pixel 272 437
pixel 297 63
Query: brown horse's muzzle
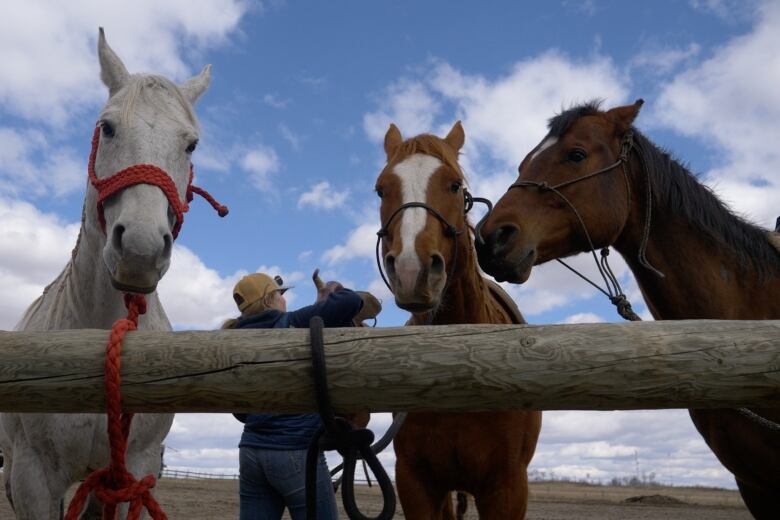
pixel 417 286
pixel 502 256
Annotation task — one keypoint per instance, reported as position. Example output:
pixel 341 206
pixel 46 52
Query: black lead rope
pixel 338 434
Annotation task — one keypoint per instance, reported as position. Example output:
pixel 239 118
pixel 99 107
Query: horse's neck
pixel 467 298
pixel 702 279
pixel 82 296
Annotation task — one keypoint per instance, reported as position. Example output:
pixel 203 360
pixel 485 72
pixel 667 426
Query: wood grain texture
pixel 672 364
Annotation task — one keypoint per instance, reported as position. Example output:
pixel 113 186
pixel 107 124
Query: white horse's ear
pixel 456 137
pixel 197 85
pixel 112 70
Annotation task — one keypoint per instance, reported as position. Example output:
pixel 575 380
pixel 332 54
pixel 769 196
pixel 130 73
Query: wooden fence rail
pixel 672 364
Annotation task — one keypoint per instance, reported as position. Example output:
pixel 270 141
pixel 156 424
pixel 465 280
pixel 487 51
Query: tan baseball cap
pixel 256 286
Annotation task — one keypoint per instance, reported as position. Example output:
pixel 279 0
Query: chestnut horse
pixel 692 257
pixel 432 268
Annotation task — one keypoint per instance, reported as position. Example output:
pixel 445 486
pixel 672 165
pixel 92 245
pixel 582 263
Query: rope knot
pixel 624 308
pixel 543 186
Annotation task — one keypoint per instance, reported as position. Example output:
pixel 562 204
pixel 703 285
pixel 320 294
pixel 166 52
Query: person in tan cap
pixel 272 450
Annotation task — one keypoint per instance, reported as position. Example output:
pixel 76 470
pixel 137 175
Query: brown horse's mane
pixel 429 145
pixel 678 190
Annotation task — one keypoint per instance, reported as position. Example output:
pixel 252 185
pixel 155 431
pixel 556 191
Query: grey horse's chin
pixel 124 287
pixel 133 280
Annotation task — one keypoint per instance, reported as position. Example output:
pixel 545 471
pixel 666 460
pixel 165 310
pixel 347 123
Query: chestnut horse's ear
pixel 456 137
pixel 392 140
pixel 624 116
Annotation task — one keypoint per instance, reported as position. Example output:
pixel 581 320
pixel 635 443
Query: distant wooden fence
pixel 183 474
pixel 671 364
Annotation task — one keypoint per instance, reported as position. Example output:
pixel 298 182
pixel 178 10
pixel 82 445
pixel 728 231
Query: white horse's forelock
pixel 140 83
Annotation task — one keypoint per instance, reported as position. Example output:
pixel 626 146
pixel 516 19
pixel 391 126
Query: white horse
pixel 147 119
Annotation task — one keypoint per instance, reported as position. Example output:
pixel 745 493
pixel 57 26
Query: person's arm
pixel 337 310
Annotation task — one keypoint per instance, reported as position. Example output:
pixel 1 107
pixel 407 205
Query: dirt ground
pixel 218 499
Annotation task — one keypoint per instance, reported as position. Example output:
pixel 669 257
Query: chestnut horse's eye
pixel 455 186
pixel 380 192
pixel 107 128
pixel 192 146
pixel 576 155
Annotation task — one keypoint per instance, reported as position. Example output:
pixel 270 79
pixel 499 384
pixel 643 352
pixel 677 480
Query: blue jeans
pixel 272 479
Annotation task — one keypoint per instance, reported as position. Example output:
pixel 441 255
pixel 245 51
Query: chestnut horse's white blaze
pixel 544 145
pixel 415 173
pixel 147 119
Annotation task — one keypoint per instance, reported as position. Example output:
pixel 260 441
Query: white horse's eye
pixel 107 128
pixel 192 146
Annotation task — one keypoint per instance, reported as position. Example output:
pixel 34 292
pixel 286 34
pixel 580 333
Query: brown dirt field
pixel 218 499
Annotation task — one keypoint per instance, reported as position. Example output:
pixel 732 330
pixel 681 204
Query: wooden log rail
pixel 671 364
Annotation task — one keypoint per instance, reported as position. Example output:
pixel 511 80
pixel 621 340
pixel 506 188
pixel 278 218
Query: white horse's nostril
pixel 116 237
pixel 167 245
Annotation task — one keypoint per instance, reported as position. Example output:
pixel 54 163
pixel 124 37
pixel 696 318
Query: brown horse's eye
pixel 455 186
pixel 380 192
pixel 576 155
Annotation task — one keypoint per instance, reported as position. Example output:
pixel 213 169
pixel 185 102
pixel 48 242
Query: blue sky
pixel 292 127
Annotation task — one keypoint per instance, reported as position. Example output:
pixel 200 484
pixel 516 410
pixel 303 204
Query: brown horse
pixel 595 174
pixel 432 268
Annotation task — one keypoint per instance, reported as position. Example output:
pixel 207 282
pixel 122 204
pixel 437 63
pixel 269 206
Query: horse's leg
pixel 419 499
pixel 7 468
pixel 36 489
pixel 93 510
pixel 506 498
pixel 762 505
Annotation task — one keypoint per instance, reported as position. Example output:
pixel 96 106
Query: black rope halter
pixel 449 229
pixel 613 289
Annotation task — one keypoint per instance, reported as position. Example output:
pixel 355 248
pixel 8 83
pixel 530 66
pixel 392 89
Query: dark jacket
pixel 278 431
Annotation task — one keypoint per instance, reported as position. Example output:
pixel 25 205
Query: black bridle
pixel 613 290
pixel 450 230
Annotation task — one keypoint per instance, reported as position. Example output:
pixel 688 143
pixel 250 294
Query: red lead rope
pixel 113 485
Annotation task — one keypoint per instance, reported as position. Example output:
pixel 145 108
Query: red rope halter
pixel 114 484
pixel 145 174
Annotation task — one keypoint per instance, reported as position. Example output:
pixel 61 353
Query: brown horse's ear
pixel 624 116
pixel 392 140
pixel 456 137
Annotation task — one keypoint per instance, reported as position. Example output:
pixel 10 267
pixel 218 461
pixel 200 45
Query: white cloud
pixel 34 248
pixel 584 317
pixel 49 57
pixel 606 444
pixel 728 10
pixel 731 102
pixel 31 166
pixel 261 162
pixel 361 243
pixel 323 196
pixel 408 104
pixel 664 60
pixel 275 101
pixel 290 136
pixel 195 296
